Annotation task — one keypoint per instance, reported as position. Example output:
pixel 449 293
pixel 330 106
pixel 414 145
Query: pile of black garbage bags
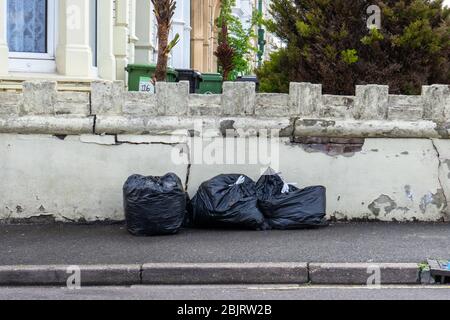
pixel 161 206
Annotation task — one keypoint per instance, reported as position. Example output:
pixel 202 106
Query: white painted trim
pixel 94 72
pixel 4 51
pixel 5 23
pixel 106 61
pixel 32 65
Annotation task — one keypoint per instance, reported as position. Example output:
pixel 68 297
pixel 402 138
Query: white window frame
pixel 94 69
pixel 37 62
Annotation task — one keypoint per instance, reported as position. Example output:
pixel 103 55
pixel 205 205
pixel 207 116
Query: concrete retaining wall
pixel 65 155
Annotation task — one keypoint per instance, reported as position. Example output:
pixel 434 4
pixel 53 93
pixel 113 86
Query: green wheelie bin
pixel 138 72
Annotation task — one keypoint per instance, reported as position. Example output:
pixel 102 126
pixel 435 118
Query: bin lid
pixel 247 78
pixel 212 77
pixel 140 66
pixel 147 67
pixel 189 71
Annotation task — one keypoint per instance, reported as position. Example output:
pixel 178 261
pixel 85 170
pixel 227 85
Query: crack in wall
pixel 290 130
pixel 175 144
pixel 188 170
pixel 94 126
pixel 445 208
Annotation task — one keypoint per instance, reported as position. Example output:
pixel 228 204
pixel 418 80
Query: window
pixel 27 29
pixel 93 30
pixel 30 31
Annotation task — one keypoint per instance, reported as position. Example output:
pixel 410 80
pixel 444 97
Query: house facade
pixel 84 38
pixel 203 37
pixel 204 33
pixel 91 39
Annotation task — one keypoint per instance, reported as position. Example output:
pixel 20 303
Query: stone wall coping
pixel 108 108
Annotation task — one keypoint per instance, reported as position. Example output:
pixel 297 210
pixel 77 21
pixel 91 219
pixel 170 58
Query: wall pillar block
pixel 436 102
pixel 372 102
pixel 172 99
pixel 39 98
pixel 238 98
pixel 107 97
pixel 305 99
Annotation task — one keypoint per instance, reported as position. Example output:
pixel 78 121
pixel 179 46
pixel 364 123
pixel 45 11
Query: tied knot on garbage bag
pixel 239 181
pixel 154 205
pixel 287 207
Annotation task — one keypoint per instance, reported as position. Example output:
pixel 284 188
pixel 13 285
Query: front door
pixel 31 35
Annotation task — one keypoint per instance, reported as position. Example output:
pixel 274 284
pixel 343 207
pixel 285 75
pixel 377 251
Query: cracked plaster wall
pixel 75 179
pixel 79 178
pixel 65 156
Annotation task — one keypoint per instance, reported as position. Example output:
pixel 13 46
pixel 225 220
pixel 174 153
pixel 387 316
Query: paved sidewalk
pixel 111 244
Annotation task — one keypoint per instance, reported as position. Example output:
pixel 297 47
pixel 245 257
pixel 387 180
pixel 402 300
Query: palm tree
pixel 164 11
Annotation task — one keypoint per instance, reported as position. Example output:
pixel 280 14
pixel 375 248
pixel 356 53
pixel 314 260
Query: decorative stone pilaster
pixel 132 38
pixel 74 54
pixel 121 33
pixel 144 47
pixel 106 59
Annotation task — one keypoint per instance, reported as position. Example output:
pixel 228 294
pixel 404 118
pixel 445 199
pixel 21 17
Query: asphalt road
pixel 228 293
pixel 111 244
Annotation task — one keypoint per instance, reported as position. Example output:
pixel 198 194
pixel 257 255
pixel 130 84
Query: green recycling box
pixel 210 83
pixel 138 73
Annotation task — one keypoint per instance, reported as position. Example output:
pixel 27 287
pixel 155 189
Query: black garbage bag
pixel 287 207
pixel 227 201
pixel 154 205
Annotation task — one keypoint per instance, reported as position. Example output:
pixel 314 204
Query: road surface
pixel 237 292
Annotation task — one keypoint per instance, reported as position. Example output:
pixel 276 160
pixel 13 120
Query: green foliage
pixel 240 39
pixel 349 56
pixel 424 266
pixel 304 29
pixel 373 36
pixel 328 42
pixel 173 43
pixel 275 78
